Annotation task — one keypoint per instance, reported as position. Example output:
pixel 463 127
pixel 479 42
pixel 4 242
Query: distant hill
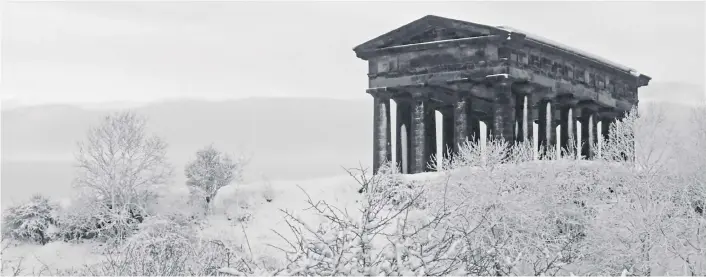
pixel 286 138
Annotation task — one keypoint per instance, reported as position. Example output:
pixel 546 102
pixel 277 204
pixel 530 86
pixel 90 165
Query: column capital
pixel 565 100
pixel 589 105
pixel 608 114
pixel 462 95
pixel 523 89
pixel 419 95
pixel 381 92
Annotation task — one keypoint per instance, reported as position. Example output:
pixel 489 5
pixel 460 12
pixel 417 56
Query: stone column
pixel 489 123
pixel 504 112
pixel 404 117
pixel 574 129
pixel 418 135
pixel 522 117
pixel 473 127
pixel 430 142
pixel 605 127
pixel 528 120
pixel 594 134
pixel 547 128
pixel 585 120
pixel 461 108
pixel 568 128
pixel 632 134
pixel 448 133
pixel 382 151
pixel 519 117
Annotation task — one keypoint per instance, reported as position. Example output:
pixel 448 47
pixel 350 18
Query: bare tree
pixel 212 170
pixel 118 166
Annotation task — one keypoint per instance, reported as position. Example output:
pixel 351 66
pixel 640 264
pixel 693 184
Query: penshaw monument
pixel 506 78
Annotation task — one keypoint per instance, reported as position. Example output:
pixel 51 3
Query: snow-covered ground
pixel 35 259
pixel 242 215
pixel 231 202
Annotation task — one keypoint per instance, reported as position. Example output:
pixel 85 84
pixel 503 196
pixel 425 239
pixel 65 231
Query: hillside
pixel 286 138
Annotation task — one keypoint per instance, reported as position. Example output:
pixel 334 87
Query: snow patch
pixel 505 75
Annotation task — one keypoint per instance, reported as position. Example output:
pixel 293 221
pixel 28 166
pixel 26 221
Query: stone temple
pixel 506 78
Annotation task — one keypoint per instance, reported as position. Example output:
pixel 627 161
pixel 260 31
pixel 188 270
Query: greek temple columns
pixel 510 117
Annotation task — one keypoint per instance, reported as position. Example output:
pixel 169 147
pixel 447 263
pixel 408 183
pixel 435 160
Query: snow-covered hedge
pixel 34 220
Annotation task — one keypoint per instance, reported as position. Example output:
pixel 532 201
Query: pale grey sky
pixel 55 52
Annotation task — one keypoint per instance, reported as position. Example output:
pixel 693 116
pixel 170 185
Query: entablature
pixel 434 44
pixel 469 57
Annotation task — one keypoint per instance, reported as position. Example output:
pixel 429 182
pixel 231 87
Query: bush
pixel 169 246
pixel 33 221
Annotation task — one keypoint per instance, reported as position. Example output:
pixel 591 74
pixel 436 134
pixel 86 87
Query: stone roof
pixel 567 48
pixel 431 21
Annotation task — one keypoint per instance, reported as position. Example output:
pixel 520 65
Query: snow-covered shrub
pixel 494 152
pixel 525 218
pixel 91 218
pixel 170 246
pixel 33 221
pixel 384 239
pixel 521 152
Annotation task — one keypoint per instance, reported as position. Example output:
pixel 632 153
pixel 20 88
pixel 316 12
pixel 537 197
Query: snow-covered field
pixel 231 201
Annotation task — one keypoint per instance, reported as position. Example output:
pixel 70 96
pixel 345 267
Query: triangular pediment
pixel 427 29
pixel 435 33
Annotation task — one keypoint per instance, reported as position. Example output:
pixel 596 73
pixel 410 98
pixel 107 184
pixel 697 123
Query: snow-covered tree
pixel 118 166
pixel 212 170
pixel 34 220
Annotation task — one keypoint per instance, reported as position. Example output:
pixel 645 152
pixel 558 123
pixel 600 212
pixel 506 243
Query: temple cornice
pixel 461 42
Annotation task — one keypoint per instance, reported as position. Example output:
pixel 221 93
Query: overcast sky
pixel 94 52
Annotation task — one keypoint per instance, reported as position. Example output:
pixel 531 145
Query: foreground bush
pixel 33 221
pixel 168 246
